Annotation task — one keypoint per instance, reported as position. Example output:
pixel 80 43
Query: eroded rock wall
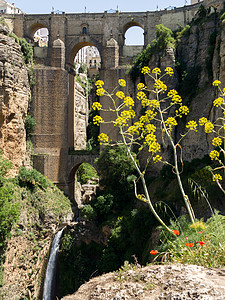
pixel 14 99
pixel 80 117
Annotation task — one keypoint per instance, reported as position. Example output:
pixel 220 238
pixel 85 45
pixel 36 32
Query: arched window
pixel 84 30
pixel 134 36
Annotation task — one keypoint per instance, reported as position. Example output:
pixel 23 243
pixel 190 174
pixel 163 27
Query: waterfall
pixel 50 276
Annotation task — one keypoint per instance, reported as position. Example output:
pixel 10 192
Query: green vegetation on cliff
pixel 29 206
pixel 164 40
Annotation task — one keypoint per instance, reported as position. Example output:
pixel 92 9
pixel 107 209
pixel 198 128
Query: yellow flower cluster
pixel 145 70
pixel 207 124
pixel 150 138
pixel 217 141
pixel 216 83
pixel 202 121
pixel 96 106
pixel 192 125
pixel 214 155
pixel 217 177
pixel 184 110
pixel 97 120
pixel 99 83
pixel 141 86
pixel 176 99
pixel 100 92
pixel 170 122
pixel 122 82
pixel 135 129
pixel 141 95
pixel 128 114
pixel 209 127
pixel 124 117
pixel 153 103
pixel 120 121
pixel 120 94
pixel 218 102
pixel 160 86
pixel 157 158
pixel 149 115
pixel 169 71
pixel 128 101
pixel 172 93
pixel 150 128
pixel 154 147
pixel 156 71
pixel 103 138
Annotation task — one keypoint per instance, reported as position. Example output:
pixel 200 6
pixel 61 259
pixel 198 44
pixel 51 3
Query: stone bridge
pixel 54 99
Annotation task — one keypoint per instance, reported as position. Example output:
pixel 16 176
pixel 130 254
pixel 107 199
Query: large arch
pixel 71 104
pixel 75 162
pixel 34 27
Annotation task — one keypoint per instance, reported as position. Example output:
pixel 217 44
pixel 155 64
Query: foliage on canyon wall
pixel 164 39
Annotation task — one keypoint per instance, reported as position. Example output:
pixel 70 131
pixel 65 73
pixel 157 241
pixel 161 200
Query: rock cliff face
pixel 14 98
pixel 80 116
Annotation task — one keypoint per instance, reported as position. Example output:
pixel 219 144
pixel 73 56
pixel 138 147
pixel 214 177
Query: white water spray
pixel 50 275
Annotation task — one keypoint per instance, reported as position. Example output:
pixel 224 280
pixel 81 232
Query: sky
pixel 75 6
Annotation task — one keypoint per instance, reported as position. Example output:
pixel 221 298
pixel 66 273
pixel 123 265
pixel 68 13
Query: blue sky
pixel 73 6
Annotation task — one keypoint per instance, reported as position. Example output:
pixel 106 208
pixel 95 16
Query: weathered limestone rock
pixel 14 98
pixel 80 117
pixel 156 282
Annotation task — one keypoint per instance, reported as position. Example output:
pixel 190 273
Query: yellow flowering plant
pixel 217 129
pixel 141 130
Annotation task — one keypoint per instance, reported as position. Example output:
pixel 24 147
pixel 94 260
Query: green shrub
pixel 9 213
pixel 86 172
pixel 88 212
pixel 30 123
pixel 5 166
pixel 31 178
pixel 104 204
pixel 184 32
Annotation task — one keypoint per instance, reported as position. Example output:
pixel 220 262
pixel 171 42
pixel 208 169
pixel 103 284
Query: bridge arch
pixel 76 46
pixel 130 25
pixel 76 161
pixel 34 27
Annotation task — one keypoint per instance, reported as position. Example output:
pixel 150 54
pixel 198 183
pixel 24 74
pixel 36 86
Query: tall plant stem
pixel 148 199
pixel 185 197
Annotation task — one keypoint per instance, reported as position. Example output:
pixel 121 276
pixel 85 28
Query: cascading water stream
pixel 50 275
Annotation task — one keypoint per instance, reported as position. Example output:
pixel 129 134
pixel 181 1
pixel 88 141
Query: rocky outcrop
pixel 155 282
pixel 14 99
pixel 80 117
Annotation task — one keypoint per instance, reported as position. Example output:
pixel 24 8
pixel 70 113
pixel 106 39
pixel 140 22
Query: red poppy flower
pixel 176 232
pixel 200 243
pixel 200 231
pixel 189 244
pixel 154 252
